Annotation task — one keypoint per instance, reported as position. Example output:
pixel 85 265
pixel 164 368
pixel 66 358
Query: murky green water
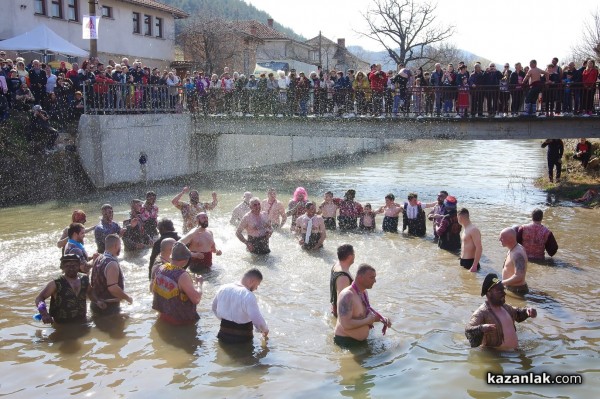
pixel 427 294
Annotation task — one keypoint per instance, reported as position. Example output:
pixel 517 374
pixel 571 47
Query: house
pixel 276 46
pixel 143 29
pixel 335 55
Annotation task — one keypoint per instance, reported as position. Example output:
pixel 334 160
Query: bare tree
pixel 210 42
pixel 589 46
pixel 405 28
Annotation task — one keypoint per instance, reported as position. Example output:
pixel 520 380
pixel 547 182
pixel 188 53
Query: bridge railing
pixel 443 101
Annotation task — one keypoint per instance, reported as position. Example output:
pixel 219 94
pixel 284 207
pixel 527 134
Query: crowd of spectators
pixel 444 92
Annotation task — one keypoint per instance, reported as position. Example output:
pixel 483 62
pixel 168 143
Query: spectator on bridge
pixel 378 80
pixel 492 81
pixel 436 83
pixel 517 90
pixel 449 89
pixel 589 79
pixel 551 90
pixel 476 85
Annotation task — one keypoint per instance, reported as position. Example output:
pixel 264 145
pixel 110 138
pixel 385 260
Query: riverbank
pixel 575 180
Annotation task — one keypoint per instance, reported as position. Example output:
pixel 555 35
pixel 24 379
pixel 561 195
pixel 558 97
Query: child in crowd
pixel 463 98
pixel 367 219
pixel 328 209
pixel 417 97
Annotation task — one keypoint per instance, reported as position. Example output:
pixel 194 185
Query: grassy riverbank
pixel 575 180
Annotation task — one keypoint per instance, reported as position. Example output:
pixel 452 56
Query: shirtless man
pixel 241 209
pixel 258 228
pixel 311 228
pixel 340 274
pixel 493 324
pixel 355 315
pixel 515 264
pixel 471 247
pixel 191 210
pixel 390 211
pixel 328 209
pixel 533 77
pixel 201 243
pixel 274 209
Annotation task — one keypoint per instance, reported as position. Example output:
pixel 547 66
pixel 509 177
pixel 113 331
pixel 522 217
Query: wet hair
pixel 412 195
pixel 537 215
pixel 444 192
pixel 150 194
pixel 254 273
pixel 363 269
pixel 463 212
pixel 111 240
pixel 329 193
pixel 390 196
pixel 165 225
pixel 344 251
pixel 309 204
pixel 167 242
pixel 74 228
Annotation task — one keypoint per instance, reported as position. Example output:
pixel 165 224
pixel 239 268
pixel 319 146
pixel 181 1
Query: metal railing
pixel 440 101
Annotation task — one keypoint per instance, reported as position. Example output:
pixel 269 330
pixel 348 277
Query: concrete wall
pixel 175 145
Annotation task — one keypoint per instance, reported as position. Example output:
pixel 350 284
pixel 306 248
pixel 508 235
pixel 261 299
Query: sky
pixel 501 31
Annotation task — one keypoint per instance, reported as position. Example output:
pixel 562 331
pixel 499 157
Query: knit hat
pixel 450 203
pixel 180 252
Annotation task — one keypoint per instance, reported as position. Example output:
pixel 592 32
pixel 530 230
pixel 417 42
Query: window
pixel 72 10
pixel 39 7
pixel 136 22
pixel 107 12
pixel 56 9
pixel 147 25
pixel 159 27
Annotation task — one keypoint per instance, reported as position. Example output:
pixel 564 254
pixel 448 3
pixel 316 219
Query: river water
pixel 427 295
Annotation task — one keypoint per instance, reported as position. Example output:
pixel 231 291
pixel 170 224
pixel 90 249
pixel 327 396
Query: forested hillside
pixel 230 10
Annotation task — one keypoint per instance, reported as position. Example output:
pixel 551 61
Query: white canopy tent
pixel 42 39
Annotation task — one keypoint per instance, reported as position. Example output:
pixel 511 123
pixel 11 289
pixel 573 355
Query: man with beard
pixel 67 294
pixel 201 243
pixel 106 226
pixel 493 324
pixel 258 227
pixel 191 210
pixel 76 233
pixel 107 279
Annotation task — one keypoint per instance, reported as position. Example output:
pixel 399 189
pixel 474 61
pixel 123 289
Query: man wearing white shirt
pixel 311 228
pixel 236 306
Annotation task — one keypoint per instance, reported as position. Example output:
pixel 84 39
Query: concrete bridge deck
pixel 404 128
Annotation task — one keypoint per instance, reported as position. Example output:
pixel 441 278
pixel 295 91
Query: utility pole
pixel 320 61
pixel 93 42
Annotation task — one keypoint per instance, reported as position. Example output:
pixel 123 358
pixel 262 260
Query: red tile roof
pixel 257 29
pixel 177 13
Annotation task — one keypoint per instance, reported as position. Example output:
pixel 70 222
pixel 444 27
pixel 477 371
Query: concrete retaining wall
pixel 110 147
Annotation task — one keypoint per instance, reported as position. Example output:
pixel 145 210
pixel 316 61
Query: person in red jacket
pixel 102 88
pixel 378 80
pixel 590 76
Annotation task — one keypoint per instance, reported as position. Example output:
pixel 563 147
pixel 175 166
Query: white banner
pixel 90 27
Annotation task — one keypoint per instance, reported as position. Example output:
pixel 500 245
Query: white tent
pixel 42 39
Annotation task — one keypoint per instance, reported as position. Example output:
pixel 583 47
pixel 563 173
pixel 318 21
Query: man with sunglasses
pixel 493 324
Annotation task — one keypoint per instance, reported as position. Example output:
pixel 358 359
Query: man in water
pixel 201 243
pixel 275 209
pixel 355 314
pixel 166 230
pixel 471 248
pixel 241 209
pixel 76 233
pixel 166 248
pixel 391 211
pixel 493 324
pixel 236 306
pixel 340 274
pixel 189 211
pixel 437 213
pixel 328 209
pixel 107 278
pixel 349 211
pixel 515 264
pixel 537 238
pixel 106 227
pixel 448 230
pixel 149 214
pixel 258 228
pixel 414 216
pixel 175 297
pixel 68 294
pixel 311 228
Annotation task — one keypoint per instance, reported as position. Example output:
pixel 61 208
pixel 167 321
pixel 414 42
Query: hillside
pixel 230 10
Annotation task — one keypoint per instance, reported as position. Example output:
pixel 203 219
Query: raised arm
pixel 176 201
pixel 214 202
